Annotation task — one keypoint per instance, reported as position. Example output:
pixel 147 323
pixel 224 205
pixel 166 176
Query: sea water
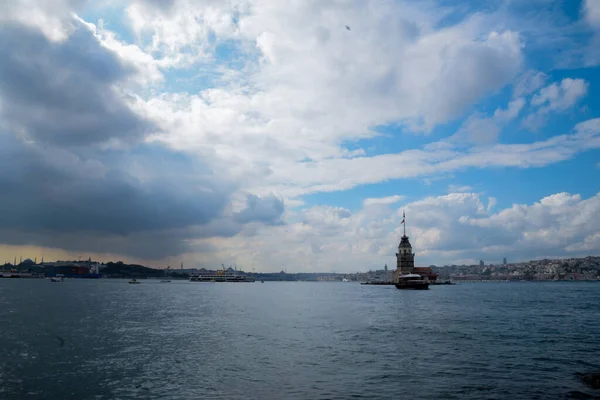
pixel 106 339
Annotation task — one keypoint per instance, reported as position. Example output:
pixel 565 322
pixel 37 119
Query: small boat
pixel 57 279
pixel 165 281
pixel 133 281
pixel 412 281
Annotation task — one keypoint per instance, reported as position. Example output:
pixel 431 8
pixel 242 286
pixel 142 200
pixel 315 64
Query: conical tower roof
pixel 404 243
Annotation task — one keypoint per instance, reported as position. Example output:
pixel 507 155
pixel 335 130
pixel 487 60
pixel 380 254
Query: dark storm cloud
pixel 62 92
pixel 267 210
pixel 144 245
pixel 63 187
pixel 55 198
pixel 56 190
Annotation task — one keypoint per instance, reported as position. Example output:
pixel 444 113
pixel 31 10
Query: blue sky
pixel 267 135
pixel 507 185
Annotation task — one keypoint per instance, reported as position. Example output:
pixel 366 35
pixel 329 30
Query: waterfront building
pixel 426 273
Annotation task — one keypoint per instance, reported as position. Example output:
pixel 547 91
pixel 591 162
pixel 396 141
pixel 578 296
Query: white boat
pixel 221 276
pixel 412 281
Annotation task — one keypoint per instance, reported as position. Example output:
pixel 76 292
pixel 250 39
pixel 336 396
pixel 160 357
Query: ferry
pixel 412 281
pixel 15 274
pixel 221 276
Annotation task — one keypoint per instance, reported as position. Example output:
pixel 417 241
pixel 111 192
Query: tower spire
pixel 404 221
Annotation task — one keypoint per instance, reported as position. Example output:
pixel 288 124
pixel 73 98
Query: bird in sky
pixel 347 27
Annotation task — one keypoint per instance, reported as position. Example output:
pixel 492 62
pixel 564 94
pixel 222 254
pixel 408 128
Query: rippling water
pixel 296 340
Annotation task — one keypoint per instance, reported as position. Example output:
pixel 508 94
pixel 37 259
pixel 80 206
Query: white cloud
pixel 181 32
pixel 590 244
pixel 479 130
pixel 491 203
pixel 559 97
pixel 529 82
pixel 50 17
pixel 311 71
pixel 511 112
pixel 443 230
pixel 383 200
pixel 147 66
pixel 295 179
pixel 592 12
pixel 385 69
pixel 556 98
pixel 302 87
pixel 485 130
pixel 459 188
pixel 292 103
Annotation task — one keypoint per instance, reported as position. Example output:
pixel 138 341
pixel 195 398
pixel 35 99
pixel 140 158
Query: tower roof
pixel 404 243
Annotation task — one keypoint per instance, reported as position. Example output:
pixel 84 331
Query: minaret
pixel 405 258
pixel 385 273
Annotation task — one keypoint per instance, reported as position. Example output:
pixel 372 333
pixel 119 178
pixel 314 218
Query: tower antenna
pixel 404 221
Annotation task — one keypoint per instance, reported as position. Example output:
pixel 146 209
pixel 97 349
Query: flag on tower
pixel 403 217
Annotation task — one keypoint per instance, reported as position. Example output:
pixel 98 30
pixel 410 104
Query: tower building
pixel 405 258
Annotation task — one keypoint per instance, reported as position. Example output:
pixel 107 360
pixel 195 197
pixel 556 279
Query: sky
pixel 293 135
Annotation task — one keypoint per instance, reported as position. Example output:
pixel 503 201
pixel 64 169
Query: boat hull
pixel 412 286
pixel 222 280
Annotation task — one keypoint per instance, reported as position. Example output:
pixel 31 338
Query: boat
pixel 133 281
pixel 222 275
pixel 57 279
pixel 412 281
pixel 165 281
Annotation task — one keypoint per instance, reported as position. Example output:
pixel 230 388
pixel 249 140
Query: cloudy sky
pixel 293 134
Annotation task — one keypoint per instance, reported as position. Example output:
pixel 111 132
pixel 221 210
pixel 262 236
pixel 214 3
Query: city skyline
pixel 272 134
pixel 19 261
